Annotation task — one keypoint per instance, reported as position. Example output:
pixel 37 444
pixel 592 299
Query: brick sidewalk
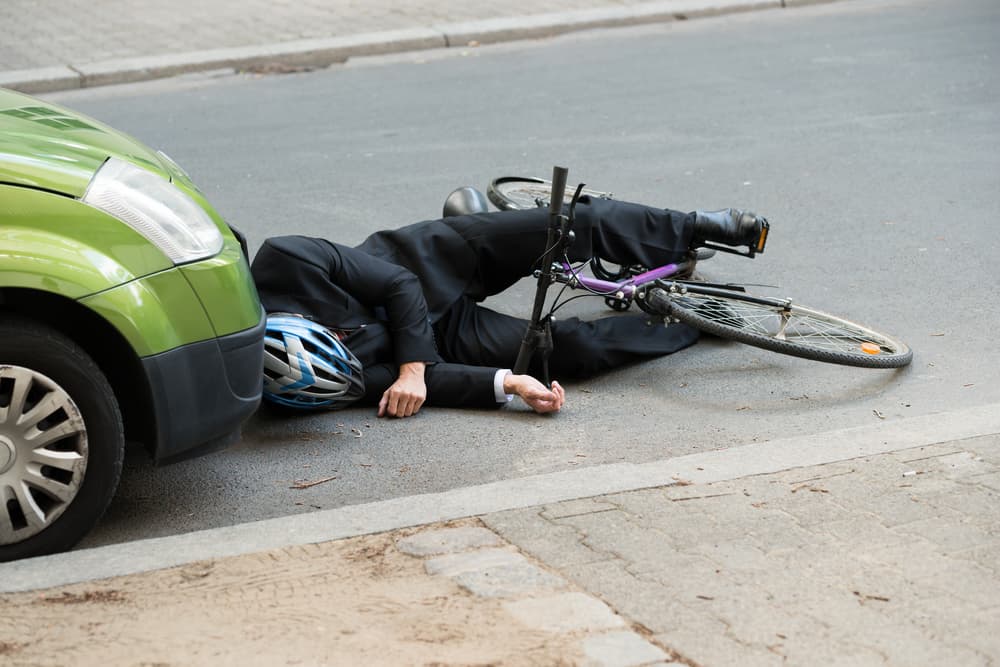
pixel 892 559
pixel 49 46
pixel 82 31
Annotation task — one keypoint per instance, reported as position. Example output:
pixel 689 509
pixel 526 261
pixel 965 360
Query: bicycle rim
pixel 781 326
pixel 511 193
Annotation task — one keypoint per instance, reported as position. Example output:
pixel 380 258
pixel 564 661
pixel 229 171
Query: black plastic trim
pixel 203 392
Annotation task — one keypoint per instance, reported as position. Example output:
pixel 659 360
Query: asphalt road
pixel 866 132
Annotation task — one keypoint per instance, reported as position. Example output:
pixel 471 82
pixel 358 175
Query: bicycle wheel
pixel 778 325
pixel 511 193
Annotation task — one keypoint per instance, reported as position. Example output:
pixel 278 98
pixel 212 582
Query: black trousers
pixel 507 247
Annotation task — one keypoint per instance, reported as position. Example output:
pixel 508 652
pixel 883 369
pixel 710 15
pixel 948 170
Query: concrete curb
pixel 322 526
pixel 325 52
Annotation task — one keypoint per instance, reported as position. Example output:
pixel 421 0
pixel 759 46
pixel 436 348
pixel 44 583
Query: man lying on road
pixel 397 320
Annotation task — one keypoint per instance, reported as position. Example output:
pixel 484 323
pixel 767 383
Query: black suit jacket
pixel 370 292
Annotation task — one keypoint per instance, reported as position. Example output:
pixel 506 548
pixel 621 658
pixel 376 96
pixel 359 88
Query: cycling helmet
pixel 307 367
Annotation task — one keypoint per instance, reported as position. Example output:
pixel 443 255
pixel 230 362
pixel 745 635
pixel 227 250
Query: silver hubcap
pixel 43 452
pixel 6 454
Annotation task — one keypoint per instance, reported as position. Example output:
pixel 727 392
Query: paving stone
pixel 864 529
pixel 987 447
pixel 735 554
pixel 772 629
pixel 619 649
pixel 505 581
pixel 704 641
pixel 985 555
pixel 916 557
pixel 948 535
pixel 902 645
pixel 973 501
pixel 616 532
pixel 926 484
pixel 558 545
pixel 896 508
pixel 565 612
pixel 452 564
pixel 575 507
pixel 965 580
pixel 990 480
pixel 960 465
pixel 448 540
pixel 641 599
pixel 811 509
pixel 778 532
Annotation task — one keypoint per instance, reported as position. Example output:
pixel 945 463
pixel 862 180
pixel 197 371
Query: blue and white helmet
pixel 307 367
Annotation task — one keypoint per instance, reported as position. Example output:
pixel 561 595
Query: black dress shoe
pixel 730 226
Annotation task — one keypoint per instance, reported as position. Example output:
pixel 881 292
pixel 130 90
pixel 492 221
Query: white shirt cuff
pixel 498 391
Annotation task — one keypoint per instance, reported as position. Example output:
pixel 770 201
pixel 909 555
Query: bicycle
pixel 722 309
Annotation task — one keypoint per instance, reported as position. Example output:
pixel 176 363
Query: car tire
pixel 61 440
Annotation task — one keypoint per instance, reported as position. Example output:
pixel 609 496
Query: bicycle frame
pixel 555 269
pixel 624 290
pixel 538 335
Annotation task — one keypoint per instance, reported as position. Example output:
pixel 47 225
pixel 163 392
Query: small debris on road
pixel 862 598
pixel 305 484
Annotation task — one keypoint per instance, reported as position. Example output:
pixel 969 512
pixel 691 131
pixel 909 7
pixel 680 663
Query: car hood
pixel 45 146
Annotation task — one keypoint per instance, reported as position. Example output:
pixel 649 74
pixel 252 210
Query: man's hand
pixel 534 393
pixel 407 393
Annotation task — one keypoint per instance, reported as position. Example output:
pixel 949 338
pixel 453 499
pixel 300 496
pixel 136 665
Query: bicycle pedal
pixel 765 227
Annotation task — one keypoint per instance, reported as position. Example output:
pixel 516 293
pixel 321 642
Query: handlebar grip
pixel 559 175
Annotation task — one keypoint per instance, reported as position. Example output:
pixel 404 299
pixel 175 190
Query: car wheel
pixel 61 440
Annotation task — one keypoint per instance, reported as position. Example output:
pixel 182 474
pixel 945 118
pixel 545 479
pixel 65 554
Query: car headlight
pixel 155 208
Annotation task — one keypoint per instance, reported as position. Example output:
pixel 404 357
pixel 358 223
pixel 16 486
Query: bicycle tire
pixel 779 326
pixel 515 193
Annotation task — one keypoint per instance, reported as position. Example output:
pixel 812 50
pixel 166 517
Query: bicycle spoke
pixel 786 327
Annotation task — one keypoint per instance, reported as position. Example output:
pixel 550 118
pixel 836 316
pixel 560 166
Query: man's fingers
pixel 559 392
pixel 399 404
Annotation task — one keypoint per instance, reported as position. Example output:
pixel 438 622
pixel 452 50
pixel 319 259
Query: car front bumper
pixel 203 392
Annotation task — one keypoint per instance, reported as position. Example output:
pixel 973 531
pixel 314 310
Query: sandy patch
pixel 350 602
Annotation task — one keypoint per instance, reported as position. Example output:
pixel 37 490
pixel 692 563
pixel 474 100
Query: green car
pixel 127 312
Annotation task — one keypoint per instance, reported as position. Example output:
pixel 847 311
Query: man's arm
pixel 462 386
